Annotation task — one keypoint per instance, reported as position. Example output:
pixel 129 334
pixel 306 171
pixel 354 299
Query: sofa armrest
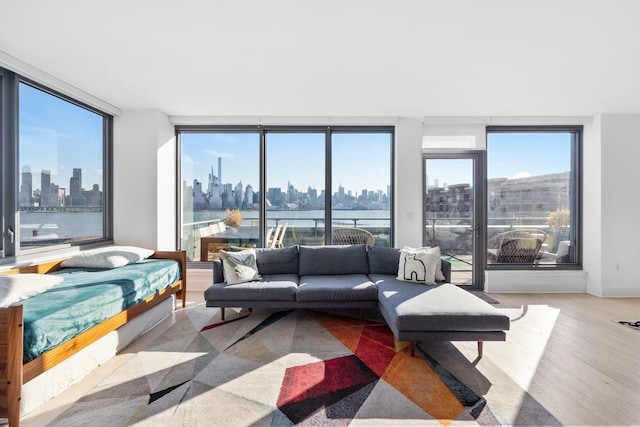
pixel 218 275
pixel 446 270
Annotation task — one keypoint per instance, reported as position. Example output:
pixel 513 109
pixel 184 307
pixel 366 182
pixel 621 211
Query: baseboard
pixel 535 281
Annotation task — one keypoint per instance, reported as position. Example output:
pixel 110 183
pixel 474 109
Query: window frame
pixel 575 193
pixel 263 131
pixel 10 159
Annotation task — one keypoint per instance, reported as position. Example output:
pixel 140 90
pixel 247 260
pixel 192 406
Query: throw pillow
pixel 439 274
pixel 418 264
pixel 16 287
pixel 108 257
pixel 239 267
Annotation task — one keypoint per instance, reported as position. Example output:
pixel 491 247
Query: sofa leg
pixel 221 313
pixel 362 314
pixel 412 348
pixel 480 349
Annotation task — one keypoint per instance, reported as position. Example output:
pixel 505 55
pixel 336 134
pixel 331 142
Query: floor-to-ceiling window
pixel 533 196
pixel 295 187
pixel 361 182
pixel 269 186
pixel 56 169
pixel 220 191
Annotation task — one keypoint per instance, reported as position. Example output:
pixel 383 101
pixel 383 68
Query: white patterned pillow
pixel 439 274
pixel 418 264
pixel 16 287
pixel 240 267
pixel 108 257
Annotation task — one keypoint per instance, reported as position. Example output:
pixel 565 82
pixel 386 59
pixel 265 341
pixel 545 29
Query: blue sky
pixel 58 136
pixel 296 158
pixel 509 155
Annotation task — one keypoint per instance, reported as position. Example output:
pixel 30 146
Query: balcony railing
pixel 304 231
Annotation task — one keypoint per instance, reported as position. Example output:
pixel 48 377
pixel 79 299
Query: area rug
pixel 278 369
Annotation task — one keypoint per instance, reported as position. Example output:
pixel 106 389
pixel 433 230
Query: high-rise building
pixel 45 181
pixel 247 203
pixel 238 195
pixel 26 188
pixel 199 201
pixel 75 187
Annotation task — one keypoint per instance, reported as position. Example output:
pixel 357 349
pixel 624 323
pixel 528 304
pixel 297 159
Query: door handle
pixel 11 234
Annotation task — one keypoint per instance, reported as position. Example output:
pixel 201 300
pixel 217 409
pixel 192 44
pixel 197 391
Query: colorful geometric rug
pixel 278 369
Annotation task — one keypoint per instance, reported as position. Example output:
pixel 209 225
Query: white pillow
pixel 240 267
pixel 418 264
pixel 16 287
pixel 108 257
pixel 439 274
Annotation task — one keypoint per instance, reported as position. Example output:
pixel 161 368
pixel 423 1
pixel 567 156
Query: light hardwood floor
pixel 564 353
pixel 565 362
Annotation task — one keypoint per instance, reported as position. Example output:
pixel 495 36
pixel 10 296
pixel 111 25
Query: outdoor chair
pixel 562 253
pixel 350 236
pixel 278 237
pixel 520 246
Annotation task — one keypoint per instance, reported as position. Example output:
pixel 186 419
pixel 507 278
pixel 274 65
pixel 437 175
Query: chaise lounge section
pixel 359 276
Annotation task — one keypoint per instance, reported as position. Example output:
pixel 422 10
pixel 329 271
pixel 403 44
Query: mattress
pixel 87 297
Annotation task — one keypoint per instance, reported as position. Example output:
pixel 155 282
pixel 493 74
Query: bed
pixel 45 331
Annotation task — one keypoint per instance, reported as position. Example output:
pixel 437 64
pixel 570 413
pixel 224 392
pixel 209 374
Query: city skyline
pixel 216 194
pixel 52 195
pixel 296 158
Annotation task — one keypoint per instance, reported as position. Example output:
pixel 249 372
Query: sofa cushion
pixel 333 259
pixel 276 287
pixel 383 260
pixel 277 260
pixel 446 307
pixel 346 287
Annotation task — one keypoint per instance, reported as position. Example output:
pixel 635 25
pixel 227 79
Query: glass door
pixel 453 212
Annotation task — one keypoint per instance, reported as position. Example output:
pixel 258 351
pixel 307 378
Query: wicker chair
pixel 516 246
pixel 350 236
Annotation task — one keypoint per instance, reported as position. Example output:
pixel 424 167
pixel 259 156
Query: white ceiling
pixel 337 57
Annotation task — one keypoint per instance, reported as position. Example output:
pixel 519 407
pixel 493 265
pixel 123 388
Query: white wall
pixel 592 207
pixel 620 233
pixel 144 180
pixel 408 183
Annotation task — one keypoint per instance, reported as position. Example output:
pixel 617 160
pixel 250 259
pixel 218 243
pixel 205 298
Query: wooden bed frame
pixel 14 373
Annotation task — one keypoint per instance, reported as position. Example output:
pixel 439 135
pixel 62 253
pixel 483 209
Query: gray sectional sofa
pixel 360 276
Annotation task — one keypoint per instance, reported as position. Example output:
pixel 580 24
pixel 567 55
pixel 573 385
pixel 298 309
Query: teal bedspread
pixel 87 297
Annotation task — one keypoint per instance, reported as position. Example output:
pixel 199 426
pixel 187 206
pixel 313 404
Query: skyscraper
pixel 26 188
pixel 75 187
pixel 45 182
